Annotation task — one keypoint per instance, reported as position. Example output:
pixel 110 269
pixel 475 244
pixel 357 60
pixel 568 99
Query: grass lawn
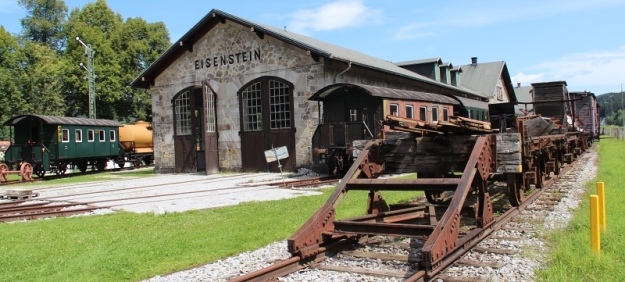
pixel 130 247
pixel 570 258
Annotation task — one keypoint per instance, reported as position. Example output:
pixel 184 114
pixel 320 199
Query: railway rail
pixel 28 210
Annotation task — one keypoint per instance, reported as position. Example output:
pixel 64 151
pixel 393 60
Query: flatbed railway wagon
pixel 49 143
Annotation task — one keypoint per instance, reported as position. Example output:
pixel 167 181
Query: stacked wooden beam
pixel 454 125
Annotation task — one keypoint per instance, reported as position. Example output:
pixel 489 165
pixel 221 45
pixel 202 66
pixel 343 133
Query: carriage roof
pixel 54 120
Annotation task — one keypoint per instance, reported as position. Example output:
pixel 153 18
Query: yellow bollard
pixel 601 194
pixel 595 234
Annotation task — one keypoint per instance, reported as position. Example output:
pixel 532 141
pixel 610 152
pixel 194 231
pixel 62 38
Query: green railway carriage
pixel 50 143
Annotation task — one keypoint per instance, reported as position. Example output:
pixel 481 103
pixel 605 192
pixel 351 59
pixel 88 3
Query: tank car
pixel 136 142
pixel 355 112
pixel 48 143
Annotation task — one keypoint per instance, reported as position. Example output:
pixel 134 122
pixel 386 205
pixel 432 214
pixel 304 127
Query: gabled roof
pixel 524 95
pixel 483 78
pixel 384 92
pixel 316 47
pixel 54 120
pixel 419 62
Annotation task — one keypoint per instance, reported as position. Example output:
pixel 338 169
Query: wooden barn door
pixel 212 151
pixel 184 125
pixel 266 107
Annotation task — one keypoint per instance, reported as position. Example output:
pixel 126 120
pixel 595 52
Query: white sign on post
pixel 276 154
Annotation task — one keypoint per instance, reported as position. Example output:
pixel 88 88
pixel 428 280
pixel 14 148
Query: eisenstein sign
pixel 228 59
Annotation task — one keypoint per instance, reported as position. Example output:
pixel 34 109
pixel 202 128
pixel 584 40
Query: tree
pixel 10 71
pixel 44 22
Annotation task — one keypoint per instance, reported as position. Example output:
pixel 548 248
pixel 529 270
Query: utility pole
pixel 90 76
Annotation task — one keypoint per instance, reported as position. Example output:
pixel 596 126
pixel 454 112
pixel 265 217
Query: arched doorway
pixel 266 111
pixel 188 131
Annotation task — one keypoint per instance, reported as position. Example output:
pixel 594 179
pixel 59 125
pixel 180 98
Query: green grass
pixel 130 247
pixel 570 257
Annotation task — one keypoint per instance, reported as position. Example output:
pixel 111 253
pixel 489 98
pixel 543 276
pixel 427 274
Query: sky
pixel 579 41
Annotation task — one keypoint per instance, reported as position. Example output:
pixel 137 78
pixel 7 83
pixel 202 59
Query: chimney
pixel 518 85
pixel 474 60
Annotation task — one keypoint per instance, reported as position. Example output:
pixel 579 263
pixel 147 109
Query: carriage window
pixel 446 114
pixel 252 111
pixel 353 114
pixel 65 137
pixel 112 135
pixel 102 135
pixel 183 114
pixel 279 105
pixel 409 111
pixel 395 110
pixel 434 114
pixel 90 135
pixel 423 113
pixel 210 110
pixel 78 135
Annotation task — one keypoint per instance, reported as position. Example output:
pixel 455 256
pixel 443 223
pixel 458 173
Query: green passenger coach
pixel 48 143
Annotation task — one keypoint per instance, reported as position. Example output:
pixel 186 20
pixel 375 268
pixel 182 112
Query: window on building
pixel 353 114
pixel 78 135
pixel 445 114
pixel 210 110
pixel 90 135
pixel 423 111
pixel 409 111
pixel 434 114
pixel 182 111
pixel 279 105
pixel 102 135
pixel 252 108
pixel 111 135
pixel 395 109
pixel 499 93
pixel 65 137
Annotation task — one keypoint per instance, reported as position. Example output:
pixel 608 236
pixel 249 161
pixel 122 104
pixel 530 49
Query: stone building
pixel 231 89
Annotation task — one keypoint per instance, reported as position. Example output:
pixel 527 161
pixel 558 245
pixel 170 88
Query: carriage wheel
pixel 516 189
pixel 136 163
pixel 61 169
pixel 39 171
pixel 26 171
pixel 4 173
pixel 147 160
pixel 100 165
pixel 82 166
pixel 121 162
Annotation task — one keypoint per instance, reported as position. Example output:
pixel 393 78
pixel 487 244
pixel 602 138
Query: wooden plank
pixel 381 256
pixel 366 271
pixel 479 263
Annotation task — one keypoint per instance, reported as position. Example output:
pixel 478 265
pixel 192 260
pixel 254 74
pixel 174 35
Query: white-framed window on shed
pixel 410 111
pixel 395 110
pixel 78 135
pixel 65 136
pixel 112 135
pixel 210 110
pixel 434 114
pixel 90 135
pixel 252 108
pixel 353 114
pixel 102 135
pixel 182 110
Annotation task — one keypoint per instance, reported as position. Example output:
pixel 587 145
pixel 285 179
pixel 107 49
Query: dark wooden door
pixel 266 107
pixel 184 125
pixel 210 135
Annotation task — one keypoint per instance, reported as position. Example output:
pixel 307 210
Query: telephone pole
pixel 90 76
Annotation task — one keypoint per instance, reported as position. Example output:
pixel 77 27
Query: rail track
pixel 433 235
pixel 64 175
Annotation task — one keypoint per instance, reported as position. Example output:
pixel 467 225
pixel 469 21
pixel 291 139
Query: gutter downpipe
pixel 349 66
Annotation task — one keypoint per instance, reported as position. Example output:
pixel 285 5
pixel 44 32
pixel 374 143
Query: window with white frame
pixel 65 136
pixel 279 105
pixel 182 110
pixel 252 108
pixel 499 93
pixel 90 135
pixel 102 135
pixel 112 135
pixel 423 113
pixel 353 114
pixel 409 111
pixel 395 109
pixel 78 135
pixel 434 114
pixel 210 110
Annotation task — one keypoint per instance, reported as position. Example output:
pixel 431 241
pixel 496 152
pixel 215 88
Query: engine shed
pixel 232 88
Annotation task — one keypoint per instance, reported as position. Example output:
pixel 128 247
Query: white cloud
pixel 598 70
pixel 527 79
pixel 334 15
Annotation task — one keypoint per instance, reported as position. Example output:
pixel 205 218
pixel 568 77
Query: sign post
pixel 277 154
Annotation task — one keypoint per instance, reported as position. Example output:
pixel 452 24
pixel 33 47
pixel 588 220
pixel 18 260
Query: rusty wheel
pixel 26 171
pixel 516 189
pixel 4 173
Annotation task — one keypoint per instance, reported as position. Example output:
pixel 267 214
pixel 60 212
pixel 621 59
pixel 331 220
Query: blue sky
pixel 580 41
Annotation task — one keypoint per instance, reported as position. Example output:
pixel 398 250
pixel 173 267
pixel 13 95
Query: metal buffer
pixel 89 53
